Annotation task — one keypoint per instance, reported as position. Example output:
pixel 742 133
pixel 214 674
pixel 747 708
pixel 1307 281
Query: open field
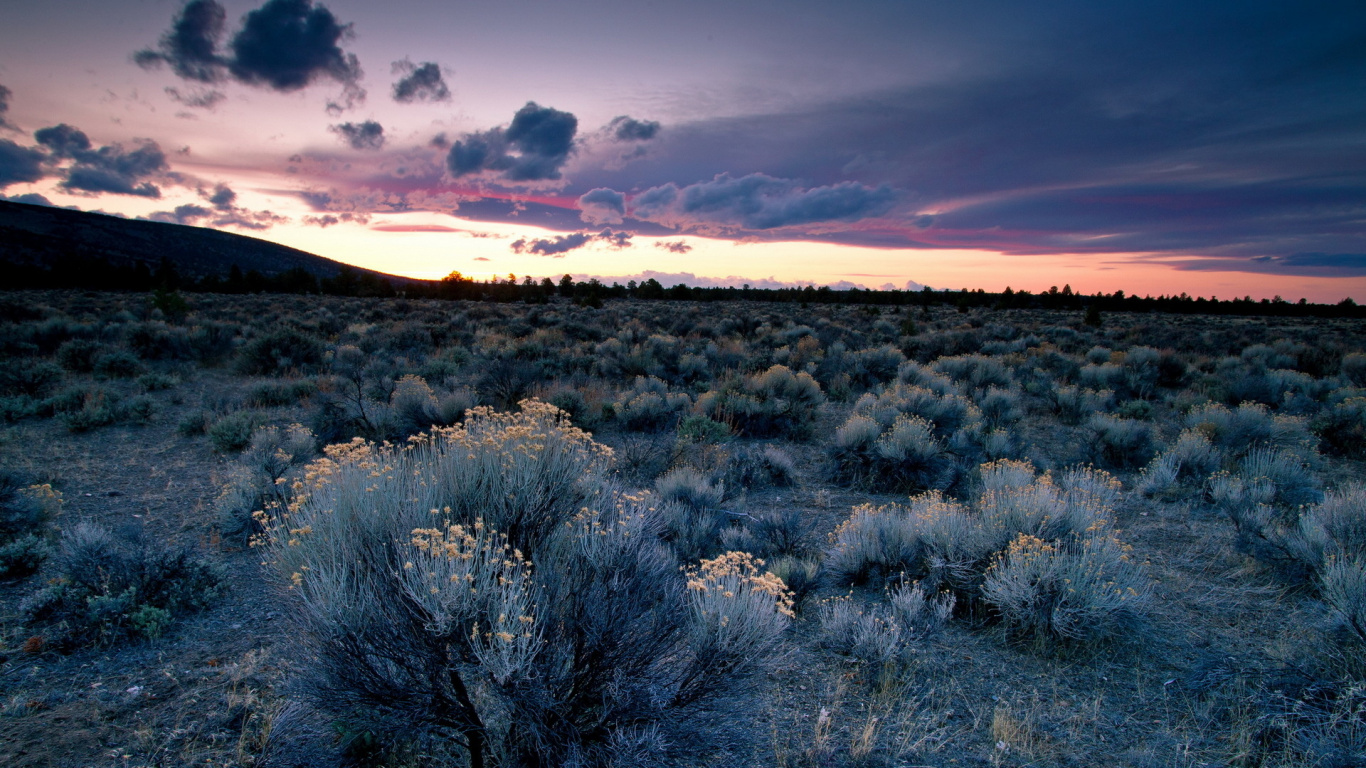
pixel 1004 537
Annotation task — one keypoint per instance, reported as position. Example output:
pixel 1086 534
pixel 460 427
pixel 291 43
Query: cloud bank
pixel 420 82
pixel 285 46
pixel 533 148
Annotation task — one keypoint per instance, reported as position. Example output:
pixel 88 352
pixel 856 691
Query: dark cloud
pixel 197 98
pixel 625 128
pixel 1243 220
pixel 190 47
pixel 330 219
pixel 5 94
pixel 533 148
pixel 758 201
pixel 562 244
pixel 557 246
pixel 110 168
pixel 183 214
pixel 222 197
pixel 1352 261
pixel 199 216
pixel 616 240
pixel 284 45
pixel 366 135
pixel 19 165
pixel 64 140
pixel 290 44
pixel 420 82
pixel 602 206
pixel 1192 130
pixel 673 246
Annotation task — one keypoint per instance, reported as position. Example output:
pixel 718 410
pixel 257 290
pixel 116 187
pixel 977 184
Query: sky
pixel 1210 148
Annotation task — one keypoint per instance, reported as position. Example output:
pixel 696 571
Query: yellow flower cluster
pixel 733 571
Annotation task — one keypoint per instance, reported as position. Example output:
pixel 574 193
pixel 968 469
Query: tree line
pixel 93 273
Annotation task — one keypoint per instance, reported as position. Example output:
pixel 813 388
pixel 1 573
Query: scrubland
pixel 303 530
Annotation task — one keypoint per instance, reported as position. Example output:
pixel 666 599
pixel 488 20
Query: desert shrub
pixel 1141 410
pixel 943 545
pixel 692 534
pixel 25 511
pixel 1083 589
pixel 78 355
pixel 232 432
pixel 867 634
pixel 1250 425
pixel 1103 376
pixel 573 402
pixel 429 628
pixel 1342 427
pixel 800 574
pixel 906 456
pixel 104 589
pixel 1292 478
pixel 875 365
pixel 1142 371
pixel 1342 583
pixel 139 410
pixel 700 429
pixel 1250 379
pixel 1334 529
pixel 773 403
pixel 1189 460
pixel 917 375
pixel 947 410
pixel 1000 407
pixel 280 394
pixel 1072 404
pixel 279 351
pixel 689 487
pixel 413 406
pixel 758 466
pixel 883 637
pixel 918 613
pixel 649 406
pixel 118 364
pixel 507 382
pixel 98 408
pixel 1120 442
pixel 778 532
pixel 194 423
pixel 1353 368
pixel 974 371
pixel 264 476
pixel 18 408
pixel 894 541
pixel 27 377
pixel 157 382
pixel 1097 355
pixel 1263 499
pixel 451 407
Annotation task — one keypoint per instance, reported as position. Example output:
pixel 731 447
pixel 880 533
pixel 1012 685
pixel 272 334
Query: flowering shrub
pixel 905 456
pixel 775 402
pixel 483 588
pixel 1080 589
pixel 1009 551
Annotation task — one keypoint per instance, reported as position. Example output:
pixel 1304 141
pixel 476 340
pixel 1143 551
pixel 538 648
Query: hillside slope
pixel 35 235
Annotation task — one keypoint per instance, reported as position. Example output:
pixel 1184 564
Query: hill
pixel 35 236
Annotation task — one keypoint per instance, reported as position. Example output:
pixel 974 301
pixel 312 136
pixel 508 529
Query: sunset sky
pixel 1212 148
